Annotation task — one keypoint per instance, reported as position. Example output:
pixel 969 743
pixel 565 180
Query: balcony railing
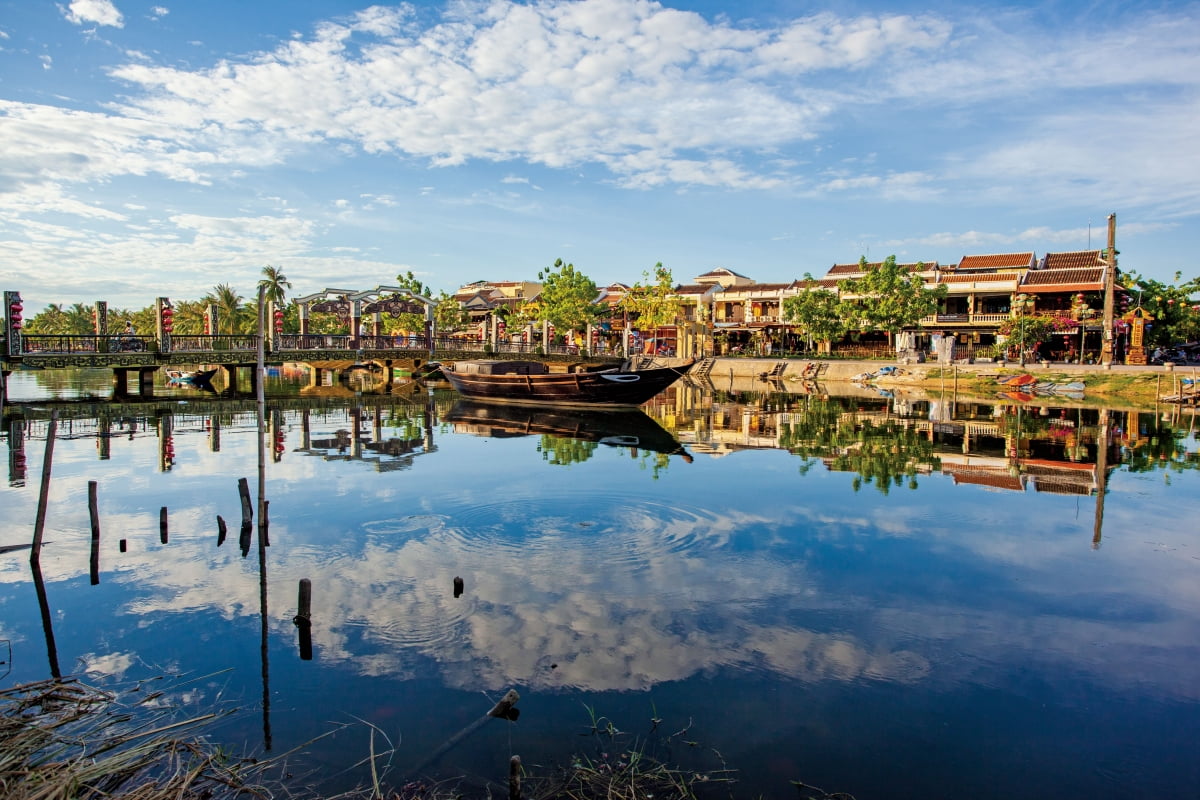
pixel 964 319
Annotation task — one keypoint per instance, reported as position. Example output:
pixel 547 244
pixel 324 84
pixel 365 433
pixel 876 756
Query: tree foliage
pixel 567 298
pixel 653 301
pixel 276 284
pixel 887 297
pixel 231 314
pixel 1176 314
pixel 815 313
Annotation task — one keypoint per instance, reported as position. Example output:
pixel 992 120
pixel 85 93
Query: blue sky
pixel 161 148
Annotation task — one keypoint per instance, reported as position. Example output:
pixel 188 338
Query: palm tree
pixel 276 284
pixel 229 307
pixel 80 319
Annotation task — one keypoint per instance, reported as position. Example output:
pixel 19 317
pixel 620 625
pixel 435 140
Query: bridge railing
pixel 196 343
pixel 314 341
pixel 69 343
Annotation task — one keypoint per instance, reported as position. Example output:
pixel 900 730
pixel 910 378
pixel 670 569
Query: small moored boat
pixel 533 382
pixel 198 377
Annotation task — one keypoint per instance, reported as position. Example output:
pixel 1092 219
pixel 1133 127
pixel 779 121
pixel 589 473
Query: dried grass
pixel 65 740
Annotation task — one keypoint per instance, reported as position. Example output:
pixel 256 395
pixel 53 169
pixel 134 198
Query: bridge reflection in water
pixel 236 355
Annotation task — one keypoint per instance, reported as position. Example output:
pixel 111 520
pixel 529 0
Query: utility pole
pixel 1110 279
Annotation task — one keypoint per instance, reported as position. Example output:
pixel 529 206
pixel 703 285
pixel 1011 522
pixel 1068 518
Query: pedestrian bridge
pixel 144 355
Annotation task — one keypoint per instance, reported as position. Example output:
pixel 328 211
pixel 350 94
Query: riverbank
pixel 1136 384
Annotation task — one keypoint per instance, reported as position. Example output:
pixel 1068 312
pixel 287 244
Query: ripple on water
pixel 618 528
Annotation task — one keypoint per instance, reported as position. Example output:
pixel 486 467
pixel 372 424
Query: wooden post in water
pixel 303 619
pixel 94 514
pixel 514 778
pixel 162 524
pixel 222 529
pixel 247 507
pixel 260 378
pixel 39 523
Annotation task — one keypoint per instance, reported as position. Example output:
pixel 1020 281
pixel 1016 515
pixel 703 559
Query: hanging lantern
pixel 168 319
pixel 278 321
pixel 14 314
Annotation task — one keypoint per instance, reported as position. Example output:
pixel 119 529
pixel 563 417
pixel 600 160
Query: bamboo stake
pixel 503 709
pixel 94 515
pixel 39 524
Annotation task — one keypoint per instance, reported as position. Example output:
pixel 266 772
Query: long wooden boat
pixel 533 382
pixel 615 427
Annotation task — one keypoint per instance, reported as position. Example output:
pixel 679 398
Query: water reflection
pixel 558 427
pixel 817 549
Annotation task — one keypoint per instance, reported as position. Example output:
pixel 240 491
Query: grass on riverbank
pixel 62 740
pixel 65 740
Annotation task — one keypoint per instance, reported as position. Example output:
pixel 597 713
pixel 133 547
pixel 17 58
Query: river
pixel 879 593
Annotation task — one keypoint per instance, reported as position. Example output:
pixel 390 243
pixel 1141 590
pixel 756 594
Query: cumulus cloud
pixel 100 12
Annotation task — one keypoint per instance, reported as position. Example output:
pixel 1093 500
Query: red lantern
pixel 207 327
pixel 14 314
pixel 168 319
pixel 278 321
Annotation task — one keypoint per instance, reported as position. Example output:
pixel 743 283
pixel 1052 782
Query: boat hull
pixel 606 388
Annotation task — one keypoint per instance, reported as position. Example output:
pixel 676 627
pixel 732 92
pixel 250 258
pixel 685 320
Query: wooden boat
pixel 198 377
pixel 615 427
pixel 533 382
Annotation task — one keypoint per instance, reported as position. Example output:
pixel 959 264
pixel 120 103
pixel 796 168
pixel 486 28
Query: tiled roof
pixel 719 271
pixel 1065 279
pixel 984 476
pixel 844 269
pixel 693 288
pixel 1082 258
pixel 996 261
pixel 858 269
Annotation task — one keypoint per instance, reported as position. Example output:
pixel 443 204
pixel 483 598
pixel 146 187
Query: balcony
pixel 941 320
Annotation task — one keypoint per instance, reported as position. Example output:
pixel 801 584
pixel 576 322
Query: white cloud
pixel 100 12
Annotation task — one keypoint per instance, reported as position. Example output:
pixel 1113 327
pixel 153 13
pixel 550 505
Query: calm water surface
pixel 892 597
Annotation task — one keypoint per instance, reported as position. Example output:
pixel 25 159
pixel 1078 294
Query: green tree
pixel 50 320
pixel 230 311
pixel 815 313
pixel 276 284
pixel 568 297
pixel 887 297
pixel 653 301
pixel 1176 314
pixel 448 314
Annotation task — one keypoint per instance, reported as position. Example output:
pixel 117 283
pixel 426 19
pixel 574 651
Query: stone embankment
pixel 1133 383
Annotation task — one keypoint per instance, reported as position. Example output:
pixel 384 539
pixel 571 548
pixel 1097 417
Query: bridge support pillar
pixel 231 377
pixel 387 373
pixel 120 382
pixel 146 381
